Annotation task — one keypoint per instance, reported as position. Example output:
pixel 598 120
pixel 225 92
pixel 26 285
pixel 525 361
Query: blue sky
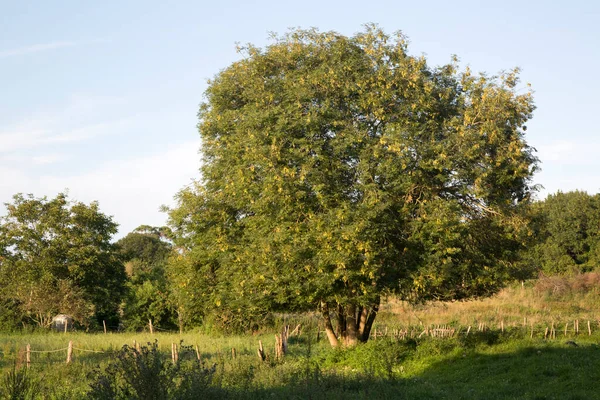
pixel 100 98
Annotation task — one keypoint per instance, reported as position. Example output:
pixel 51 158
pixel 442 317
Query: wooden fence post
pixel 174 353
pixel 151 327
pixel 104 324
pixel 531 336
pixel 66 325
pixel 28 355
pixel 589 329
pixel 261 351
pixel 284 338
pixel 198 354
pixel 278 347
pixel 70 352
pixel 233 353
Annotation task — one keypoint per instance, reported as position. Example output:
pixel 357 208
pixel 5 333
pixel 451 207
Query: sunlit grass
pixel 491 364
pixel 523 305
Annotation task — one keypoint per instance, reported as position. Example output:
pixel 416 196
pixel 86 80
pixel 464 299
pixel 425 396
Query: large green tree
pixel 566 233
pixel 56 256
pixel 337 170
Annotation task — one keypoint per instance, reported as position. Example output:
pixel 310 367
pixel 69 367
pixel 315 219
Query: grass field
pixel 488 364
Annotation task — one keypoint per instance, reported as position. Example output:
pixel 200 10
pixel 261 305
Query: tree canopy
pixel 337 170
pixel 56 257
pixel 145 252
pixel 566 233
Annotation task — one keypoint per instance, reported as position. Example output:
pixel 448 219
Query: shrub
pixel 563 285
pixel 146 374
pixel 587 282
pixel 553 285
pixel 18 384
pixel 376 358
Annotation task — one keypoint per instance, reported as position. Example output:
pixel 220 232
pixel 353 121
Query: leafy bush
pixel 146 374
pixel 376 358
pixel 11 315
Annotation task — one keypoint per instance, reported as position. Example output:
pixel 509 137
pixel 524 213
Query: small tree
pixel 337 170
pixel 145 252
pixel 57 257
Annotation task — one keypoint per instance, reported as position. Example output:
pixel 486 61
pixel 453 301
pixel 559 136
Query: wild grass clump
pixel 18 384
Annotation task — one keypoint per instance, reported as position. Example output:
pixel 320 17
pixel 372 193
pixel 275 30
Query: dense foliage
pixel 145 252
pixel 56 257
pixel 565 234
pixel 146 374
pixel 339 169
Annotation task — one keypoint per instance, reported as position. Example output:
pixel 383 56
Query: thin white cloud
pixel 576 151
pixel 36 48
pixel 48 159
pixel 132 190
pixel 73 122
pixel 560 150
pixel 25 161
pixel 43 47
pixel 29 139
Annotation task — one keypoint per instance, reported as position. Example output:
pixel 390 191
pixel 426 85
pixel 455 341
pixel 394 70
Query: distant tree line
pixel 565 234
pixel 56 256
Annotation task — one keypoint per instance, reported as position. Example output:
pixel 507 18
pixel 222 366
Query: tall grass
pixel 547 300
pixel 483 364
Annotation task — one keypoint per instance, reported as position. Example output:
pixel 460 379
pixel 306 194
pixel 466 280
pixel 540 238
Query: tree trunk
pixel 333 341
pixel 351 338
pixel 180 319
pixel 362 322
pixel 341 322
pixel 353 323
pixel 368 323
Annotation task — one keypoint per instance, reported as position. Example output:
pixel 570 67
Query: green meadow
pixel 498 357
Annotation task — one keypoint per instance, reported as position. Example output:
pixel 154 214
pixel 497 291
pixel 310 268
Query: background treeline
pixel 57 256
pixel 565 230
